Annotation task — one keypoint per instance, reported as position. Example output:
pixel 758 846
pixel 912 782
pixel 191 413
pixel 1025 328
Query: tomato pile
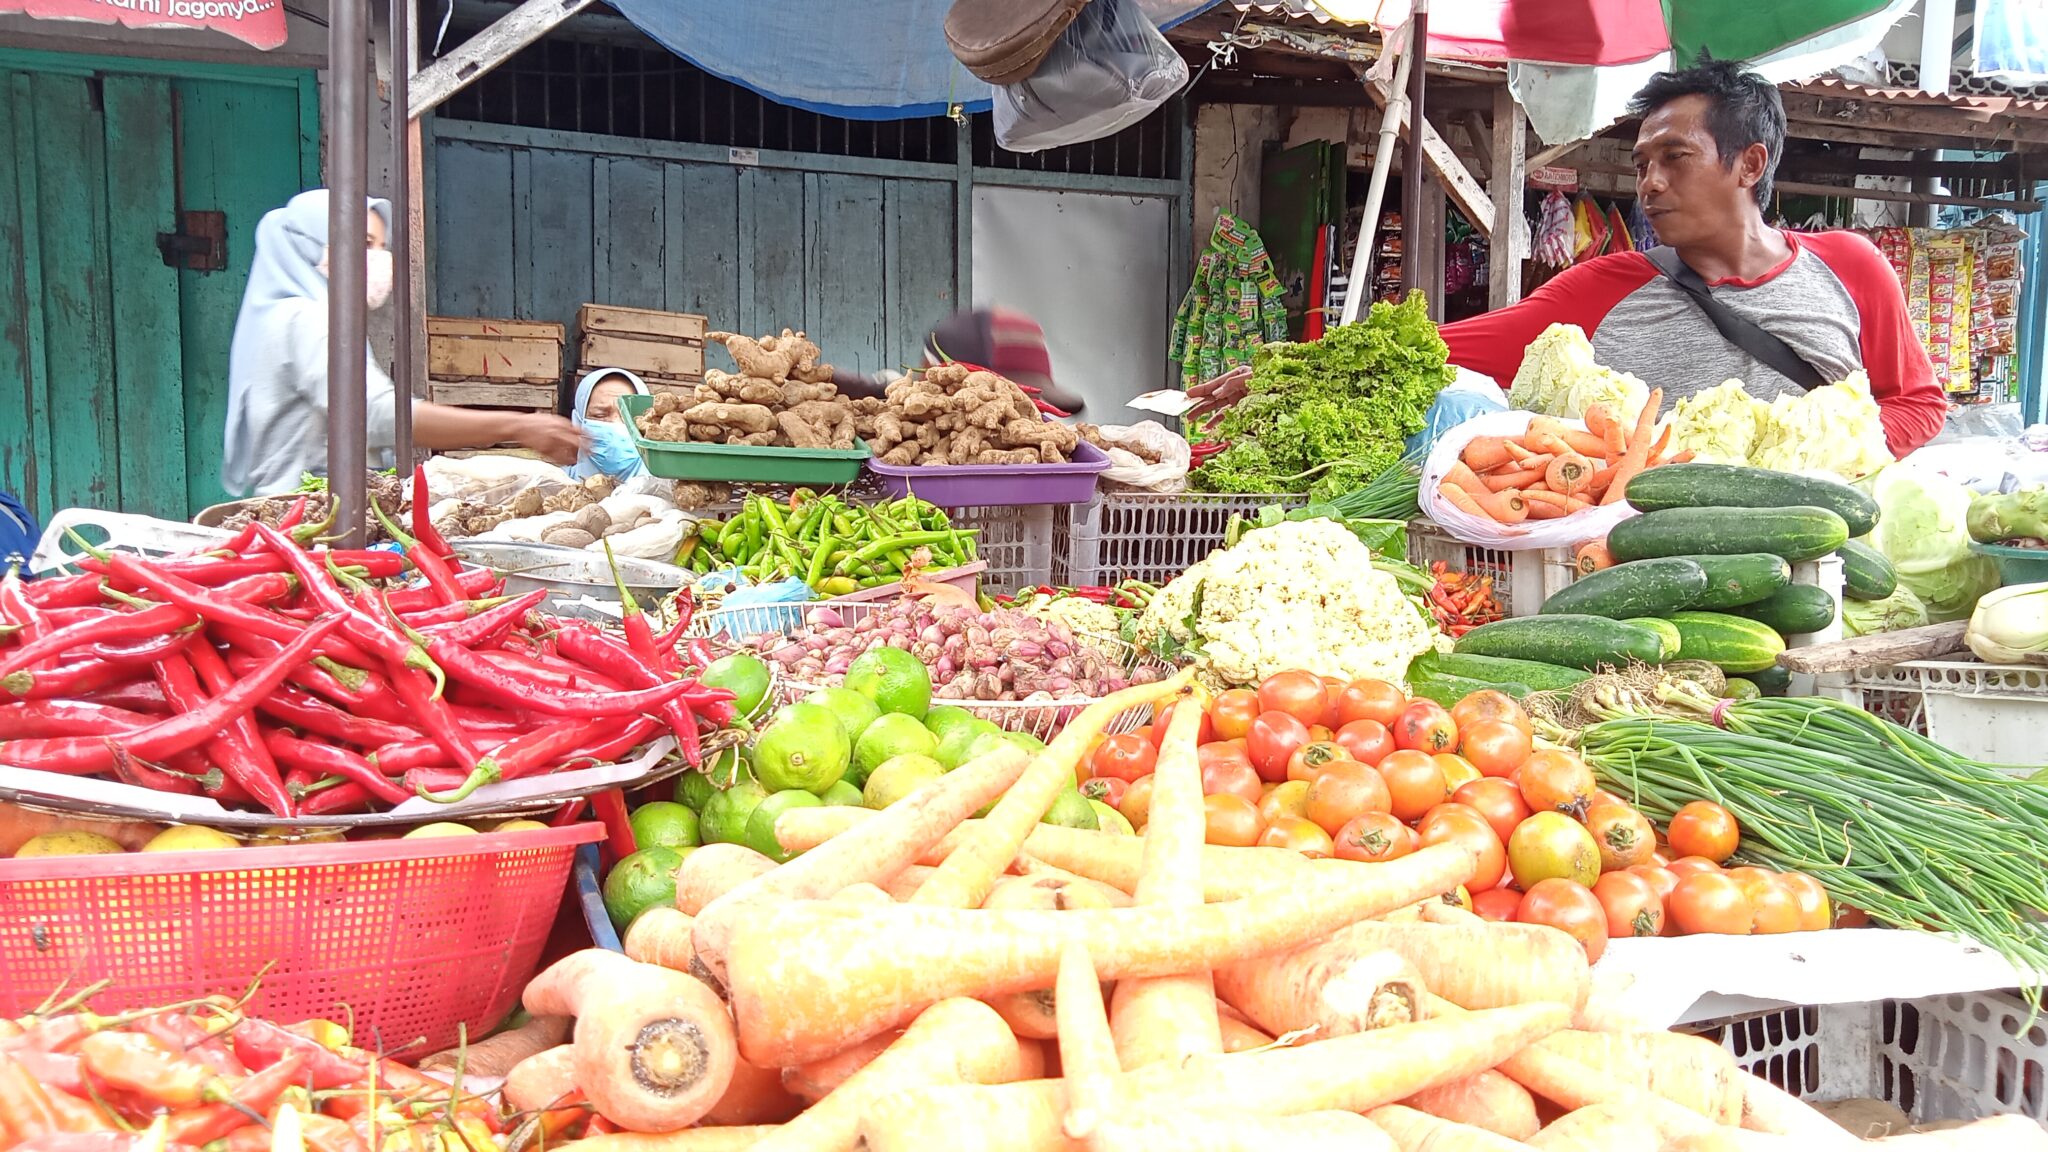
pixel 1360 771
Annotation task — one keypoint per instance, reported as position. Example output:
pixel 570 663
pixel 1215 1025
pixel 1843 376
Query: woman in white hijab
pixel 277 367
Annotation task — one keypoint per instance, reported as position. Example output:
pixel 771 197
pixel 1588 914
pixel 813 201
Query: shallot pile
pixel 985 656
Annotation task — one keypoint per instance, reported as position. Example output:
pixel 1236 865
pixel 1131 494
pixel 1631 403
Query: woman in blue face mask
pixel 608 447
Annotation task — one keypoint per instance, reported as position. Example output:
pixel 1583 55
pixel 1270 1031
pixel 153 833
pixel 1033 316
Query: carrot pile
pixel 1462 601
pixel 1553 469
pixel 921 978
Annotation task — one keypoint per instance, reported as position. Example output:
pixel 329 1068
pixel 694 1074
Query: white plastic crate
pixel 1122 536
pixel 1522 581
pixel 1956 1057
pixel 1989 712
pixel 1016 542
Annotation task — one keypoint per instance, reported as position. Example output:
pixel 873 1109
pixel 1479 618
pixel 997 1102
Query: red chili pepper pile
pixel 266 675
pixel 1462 601
pixel 1131 594
pixel 216 1079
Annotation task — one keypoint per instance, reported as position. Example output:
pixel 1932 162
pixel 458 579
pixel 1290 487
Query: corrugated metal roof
pixel 1978 107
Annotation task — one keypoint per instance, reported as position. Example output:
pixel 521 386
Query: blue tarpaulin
pixel 858 59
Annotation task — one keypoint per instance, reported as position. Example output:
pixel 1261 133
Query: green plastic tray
pixel 737 462
pixel 2016 565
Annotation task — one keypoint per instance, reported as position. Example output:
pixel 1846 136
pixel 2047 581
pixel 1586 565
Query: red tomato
pixel 1124 757
pixel 1232 713
pixel 1662 879
pixel 1309 760
pixel 1375 836
pixel 1368 741
pixel 1623 834
pixel 1342 792
pixel 1218 751
pixel 1704 828
pixel 1321 734
pixel 1633 906
pixel 1289 799
pixel 1370 700
pixel 1773 909
pixel 1457 824
pixel 1425 727
pixel 1458 771
pixel 1554 781
pixel 1204 732
pixel 1497 904
pixel 1566 906
pixel 1231 820
pixel 1299 694
pixel 1496 800
pixel 1415 782
pixel 1495 747
pixel 1490 705
pixel 1137 803
pixel 1300 834
pixel 1849 916
pixel 1814 910
pixel 1711 902
pixel 1690 865
pixel 1275 736
pixel 1107 789
pixel 1233 778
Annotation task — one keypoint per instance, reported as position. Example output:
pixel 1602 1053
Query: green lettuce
pixel 1923 529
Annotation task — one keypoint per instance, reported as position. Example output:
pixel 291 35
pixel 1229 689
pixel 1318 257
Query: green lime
pixel 725 815
pixel 1108 819
pixel 1071 810
pixel 958 742
pixel 1025 740
pixel 988 742
pixel 887 738
pixel 664 824
pixel 893 679
pixel 942 719
pixel 646 879
pixel 743 674
pixel 854 710
pixel 843 794
pixel 894 779
pixel 761 824
pixel 694 790
pixel 805 748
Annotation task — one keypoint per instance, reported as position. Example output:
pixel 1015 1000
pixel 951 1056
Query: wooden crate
pixel 644 355
pixel 611 319
pixel 464 349
pixel 684 386
pixel 476 393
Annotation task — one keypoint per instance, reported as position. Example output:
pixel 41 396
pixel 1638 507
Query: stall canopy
pixel 872 60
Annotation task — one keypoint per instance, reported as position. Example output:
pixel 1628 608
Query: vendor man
pixel 1811 308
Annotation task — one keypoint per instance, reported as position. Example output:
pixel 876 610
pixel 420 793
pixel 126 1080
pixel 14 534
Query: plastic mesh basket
pixel 1123 536
pixel 404 939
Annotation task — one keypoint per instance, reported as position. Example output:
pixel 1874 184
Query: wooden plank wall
pixel 864 263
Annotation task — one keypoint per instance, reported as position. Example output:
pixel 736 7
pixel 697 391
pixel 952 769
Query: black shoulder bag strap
pixel 1742 333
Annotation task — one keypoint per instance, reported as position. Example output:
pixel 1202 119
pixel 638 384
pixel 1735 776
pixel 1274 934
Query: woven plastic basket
pixel 403 939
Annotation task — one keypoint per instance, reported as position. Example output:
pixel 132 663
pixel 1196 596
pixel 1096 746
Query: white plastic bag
pixel 1106 72
pixel 1579 527
pixel 489 477
pixel 1129 470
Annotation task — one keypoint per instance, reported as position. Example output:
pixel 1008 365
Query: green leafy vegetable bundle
pixel 1326 417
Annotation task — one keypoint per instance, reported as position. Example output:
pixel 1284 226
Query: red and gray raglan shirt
pixel 1835 300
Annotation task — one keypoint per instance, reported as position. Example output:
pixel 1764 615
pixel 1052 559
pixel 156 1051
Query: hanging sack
pixel 1108 71
pixel 1002 41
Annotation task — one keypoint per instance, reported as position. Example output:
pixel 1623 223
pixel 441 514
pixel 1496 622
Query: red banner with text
pixel 260 23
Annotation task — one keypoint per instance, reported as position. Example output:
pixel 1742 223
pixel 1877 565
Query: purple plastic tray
pixel 996 485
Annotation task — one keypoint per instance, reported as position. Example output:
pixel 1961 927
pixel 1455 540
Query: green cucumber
pixel 1538 675
pixel 1772 681
pixel 1866 574
pixel 1732 486
pixel 1734 644
pixel 1665 630
pixel 1740 689
pixel 1746 578
pixel 1448 690
pixel 1644 588
pixel 1794 611
pixel 1796 534
pixel 1573 641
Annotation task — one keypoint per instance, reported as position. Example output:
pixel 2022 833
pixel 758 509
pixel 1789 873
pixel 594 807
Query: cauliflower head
pixel 1095 625
pixel 1301 594
pixel 1559 377
pixel 1720 425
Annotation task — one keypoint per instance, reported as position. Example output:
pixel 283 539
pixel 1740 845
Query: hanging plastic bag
pixel 1108 71
pixel 1566 532
pixel 1468 397
pixel 1146 456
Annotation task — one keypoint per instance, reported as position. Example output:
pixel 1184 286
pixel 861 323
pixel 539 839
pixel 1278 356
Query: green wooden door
pixel 116 362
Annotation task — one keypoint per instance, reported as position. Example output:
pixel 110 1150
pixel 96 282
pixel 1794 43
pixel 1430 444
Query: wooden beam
pixel 1480 142
pixel 2013 168
pixel 1844 192
pixel 1979 127
pixel 486 50
pixel 1509 236
pixel 1283 93
pixel 1556 152
pixel 1458 183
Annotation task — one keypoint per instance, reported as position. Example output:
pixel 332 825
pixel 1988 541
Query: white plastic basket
pixel 1956 1057
pixel 99 528
pixel 1522 581
pixel 1990 712
pixel 1146 536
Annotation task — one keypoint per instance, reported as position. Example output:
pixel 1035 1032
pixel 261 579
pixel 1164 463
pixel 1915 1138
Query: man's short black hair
pixel 1744 109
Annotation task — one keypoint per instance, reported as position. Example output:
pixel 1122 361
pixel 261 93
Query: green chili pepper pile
pixel 833 546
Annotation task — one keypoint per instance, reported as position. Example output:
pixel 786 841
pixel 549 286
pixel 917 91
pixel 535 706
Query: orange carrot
pixel 738 1139
pixel 811 1082
pixel 1484 965
pixel 1601 1128
pixel 862 893
pixel 1037 1059
pixel 1501 481
pixel 1243 1132
pixel 809 978
pixel 1591 557
pixel 1523 453
pixel 1031 867
pixel 1414 1131
pixel 1052 887
pixel 654 1049
pixel 1487 1100
pixel 755 1096
pixel 1030 1014
pixel 1688 1070
pixel 1600 422
pixel 1484 452
pixel 1239 1036
pixel 1542 511
pixel 1347 1073
pixel 499 1054
pixel 874 851
pixel 1565 505
pixel 1332 987
pixel 1465 501
pixel 1598 483
pixel 1684 457
pixel 1526 463
pixel 1769 1108
pixel 1170 1018
pixel 1569 474
pixel 543 1080
pixel 903 885
pixel 712 871
pixel 964 879
pixel 1638 454
pixel 1505 506
pixel 662 936
pixel 952 1042
pixel 1089 1065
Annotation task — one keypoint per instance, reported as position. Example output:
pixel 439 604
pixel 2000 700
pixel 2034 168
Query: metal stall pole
pixel 1411 158
pixel 1359 292
pixel 401 234
pixel 348 161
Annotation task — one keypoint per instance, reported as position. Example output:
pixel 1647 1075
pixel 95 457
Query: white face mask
pixel 377 273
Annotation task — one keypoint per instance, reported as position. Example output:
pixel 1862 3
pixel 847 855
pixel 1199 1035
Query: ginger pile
pixel 474 519
pixel 782 397
pixel 950 415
